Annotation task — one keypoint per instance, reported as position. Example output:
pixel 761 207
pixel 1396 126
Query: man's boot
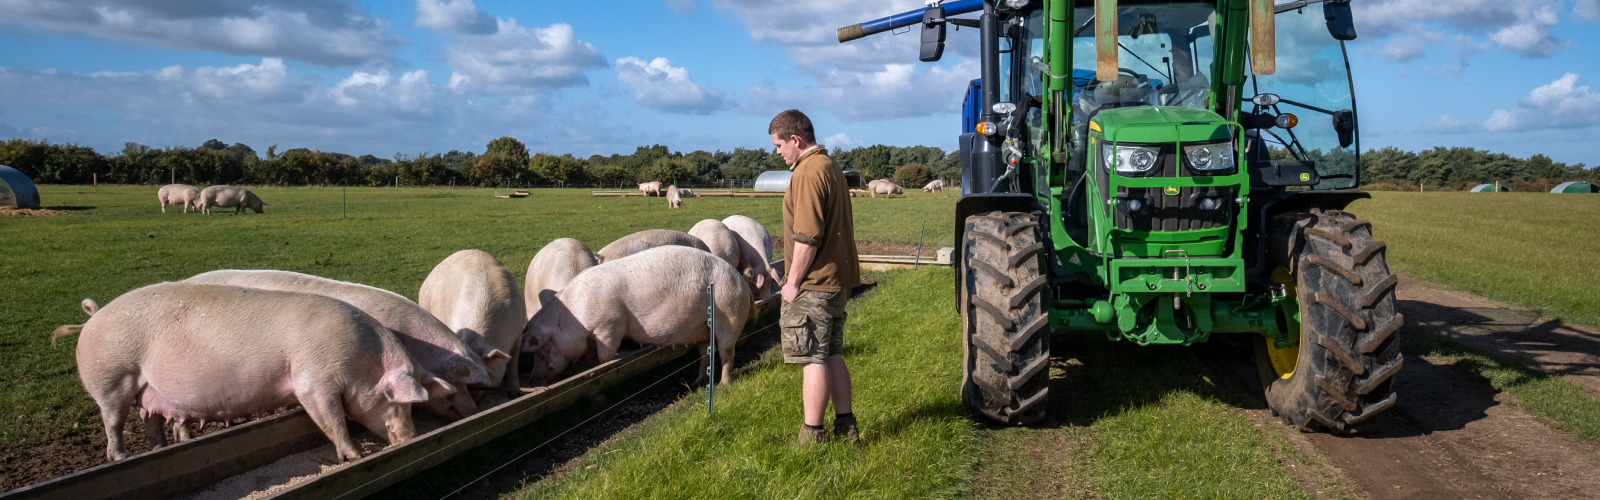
pixel 845 428
pixel 812 435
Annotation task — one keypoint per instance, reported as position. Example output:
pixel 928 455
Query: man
pixel 820 246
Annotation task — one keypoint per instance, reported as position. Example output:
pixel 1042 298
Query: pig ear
pixel 438 387
pixel 400 387
pixel 495 354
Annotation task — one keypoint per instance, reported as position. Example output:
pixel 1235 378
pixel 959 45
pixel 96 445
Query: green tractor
pixel 1162 171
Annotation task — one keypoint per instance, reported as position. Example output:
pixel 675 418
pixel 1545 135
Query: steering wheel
pixel 1095 82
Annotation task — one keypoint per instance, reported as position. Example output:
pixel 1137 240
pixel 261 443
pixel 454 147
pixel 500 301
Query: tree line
pixel 503 162
pixel 1460 168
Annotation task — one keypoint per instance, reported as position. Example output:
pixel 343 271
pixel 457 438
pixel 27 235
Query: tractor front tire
pixel 1006 348
pixel 1348 355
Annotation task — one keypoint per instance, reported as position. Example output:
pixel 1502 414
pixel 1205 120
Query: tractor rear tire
pixel 1006 348
pixel 1348 353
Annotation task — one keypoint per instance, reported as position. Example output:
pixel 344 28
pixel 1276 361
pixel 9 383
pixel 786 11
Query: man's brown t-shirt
pixel 816 211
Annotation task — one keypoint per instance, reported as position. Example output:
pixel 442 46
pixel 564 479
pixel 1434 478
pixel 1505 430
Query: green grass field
pixel 114 240
pixel 1126 431
pixel 1536 250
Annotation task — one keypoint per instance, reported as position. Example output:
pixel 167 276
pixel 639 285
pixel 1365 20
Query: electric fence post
pixel 711 351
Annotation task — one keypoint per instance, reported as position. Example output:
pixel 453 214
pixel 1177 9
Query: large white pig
pixel 655 297
pixel 674 197
pixel 755 254
pixel 433 345
pixel 551 269
pixel 177 194
pixel 719 240
pixel 191 352
pixel 479 299
pixel 652 188
pixel 884 187
pixel 936 185
pixel 645 240
pixel 228 197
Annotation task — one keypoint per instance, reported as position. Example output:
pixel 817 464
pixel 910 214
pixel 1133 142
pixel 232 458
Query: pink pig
pixel 645 240
pixel 215 352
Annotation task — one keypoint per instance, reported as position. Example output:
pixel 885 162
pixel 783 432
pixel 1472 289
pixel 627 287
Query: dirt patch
pixel 891 248
pixel 82 448
pixel 1452 435
pixel 1547 344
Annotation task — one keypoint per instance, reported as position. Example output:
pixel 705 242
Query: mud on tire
pixel 1348 353
pixel 1006 349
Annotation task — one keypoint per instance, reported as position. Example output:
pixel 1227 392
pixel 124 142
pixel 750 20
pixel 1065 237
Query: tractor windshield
pixel 1164 53
pixel 1313 81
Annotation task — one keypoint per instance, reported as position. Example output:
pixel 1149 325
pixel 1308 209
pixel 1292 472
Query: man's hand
pixel 799 264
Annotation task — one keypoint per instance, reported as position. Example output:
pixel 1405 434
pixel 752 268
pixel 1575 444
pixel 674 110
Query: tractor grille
pixel 1182 211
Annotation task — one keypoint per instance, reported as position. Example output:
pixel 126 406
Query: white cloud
pixel 683 8
pixel 840 142
pixel 262 104
pixel 1561 104
pixel 329 33
pixel 1520 26
pixel 1449 124
pixel 517 60
pixel 454 16
pixel 897 91
pixel 1588 10
pixel 768 100
pixel 661 86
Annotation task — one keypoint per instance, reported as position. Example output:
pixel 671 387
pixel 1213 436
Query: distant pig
pixel 645 240
pixel 885 188
pixel 674 197
pixel 719 240
pixel 755 254
pixel 652 188
pixel 936 185
pixel 228 197
pixel 177 194
pixel 551 269
pixel 186 351
pixel 655 297
pixel 479 299
pixel 432 344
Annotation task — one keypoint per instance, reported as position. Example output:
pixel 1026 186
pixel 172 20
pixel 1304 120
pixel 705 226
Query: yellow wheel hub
pixel 1284 359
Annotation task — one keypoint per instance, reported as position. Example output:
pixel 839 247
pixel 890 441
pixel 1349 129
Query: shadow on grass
pixel 68 208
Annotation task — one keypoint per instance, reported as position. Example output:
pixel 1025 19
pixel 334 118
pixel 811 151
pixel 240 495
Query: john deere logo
pixel 1171 191
pixel 1305 177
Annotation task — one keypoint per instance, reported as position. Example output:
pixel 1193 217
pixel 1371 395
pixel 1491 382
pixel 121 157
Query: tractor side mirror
pixel 1341 25
pixel 1344 122
pixel 932 34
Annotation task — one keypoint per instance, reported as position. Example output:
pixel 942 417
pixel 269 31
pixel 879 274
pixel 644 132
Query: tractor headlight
pixel 1209 157
pixel 1133 159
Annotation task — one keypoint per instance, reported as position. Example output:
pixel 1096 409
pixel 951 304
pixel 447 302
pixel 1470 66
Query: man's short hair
pixel 793 122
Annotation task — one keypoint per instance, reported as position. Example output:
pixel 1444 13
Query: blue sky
pixel 603 77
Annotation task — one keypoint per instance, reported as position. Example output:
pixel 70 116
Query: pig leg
pixel 705 364
pixel 155 428
pixel 327 410
pixel 180 432
pixel 114 414
pixel 725 354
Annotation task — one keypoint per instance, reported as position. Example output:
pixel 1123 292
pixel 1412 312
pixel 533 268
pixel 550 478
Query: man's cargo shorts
pixel 813 326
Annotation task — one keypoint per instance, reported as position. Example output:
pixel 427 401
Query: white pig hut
pixel 17 190
pixel 773 181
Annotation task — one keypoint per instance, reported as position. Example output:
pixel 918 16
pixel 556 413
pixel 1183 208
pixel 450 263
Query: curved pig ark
pixel 476 297
pixel 433 345
pixel 645 240
pixel 755 254
pixel 655 297
pixel 551 269
pixel 177 194
pixel 191 352
pixel 228 197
